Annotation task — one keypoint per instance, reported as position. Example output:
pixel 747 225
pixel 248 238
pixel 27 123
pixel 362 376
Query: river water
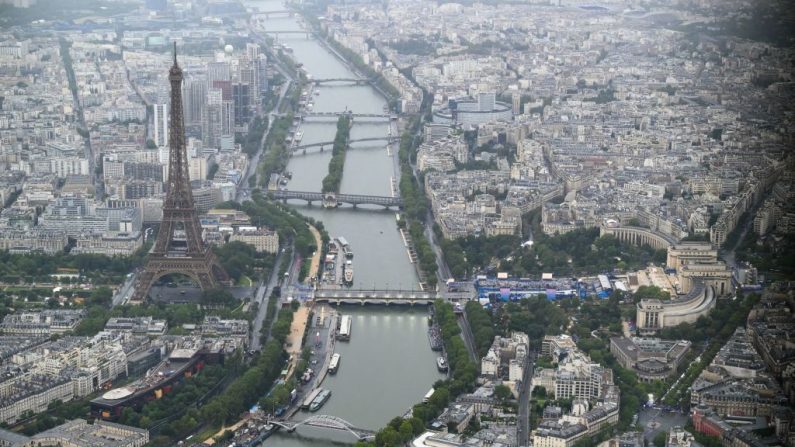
pixel 387 366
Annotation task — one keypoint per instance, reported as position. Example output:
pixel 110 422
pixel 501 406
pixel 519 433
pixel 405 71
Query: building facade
pixel 651 358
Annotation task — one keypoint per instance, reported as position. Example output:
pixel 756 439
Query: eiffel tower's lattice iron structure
pixel 179 247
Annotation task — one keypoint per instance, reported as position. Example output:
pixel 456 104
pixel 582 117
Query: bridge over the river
pixel 327 422
pixel 331 200
pixel 286 31
pixel 342 81
pixel 270 13
pixel 276 33
pixel 385 297
pixel 323 144
pixel 352 115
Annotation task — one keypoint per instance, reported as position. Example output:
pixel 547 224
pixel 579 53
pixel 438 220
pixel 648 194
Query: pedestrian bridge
pixel 327 422
pixel 322 145
pixel 385 297
pixel 332 200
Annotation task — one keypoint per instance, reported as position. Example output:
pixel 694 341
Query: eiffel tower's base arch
pixel 204 271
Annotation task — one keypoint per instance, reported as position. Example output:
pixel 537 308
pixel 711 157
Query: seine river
pixel 387 366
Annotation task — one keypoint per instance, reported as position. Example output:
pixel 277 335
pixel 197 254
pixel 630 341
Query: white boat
pixel 308 401
pixel 334 364
pixel 428 395
pixel 321 399
pixel 348 273
pixel 345 328
pixel 441 364
pixel 346 247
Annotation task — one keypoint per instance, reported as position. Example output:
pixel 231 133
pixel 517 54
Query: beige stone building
pixel 263 239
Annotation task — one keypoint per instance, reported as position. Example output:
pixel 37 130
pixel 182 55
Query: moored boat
pixel 344 333
pixel 348 274
pixel 435 337
pixel 321 399
pixel 346 247
pixel 334 364
pixel 310 398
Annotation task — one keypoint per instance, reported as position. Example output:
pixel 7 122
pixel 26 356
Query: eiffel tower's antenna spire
pixel 175 52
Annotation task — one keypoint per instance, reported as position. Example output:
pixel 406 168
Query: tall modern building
pixel 227 106
pixel 242 98
pixel 516 103
pixel 227 116
pixel 161 125
pixel 195 94
pixel 212 118
pixel 249 74
pixel 262 73
pixel 259 62
pixel 218 71
pixel 252 51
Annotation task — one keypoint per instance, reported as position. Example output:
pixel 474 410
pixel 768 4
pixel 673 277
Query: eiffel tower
pixel 179 247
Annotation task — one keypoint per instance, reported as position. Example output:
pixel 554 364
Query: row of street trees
pixel 415 204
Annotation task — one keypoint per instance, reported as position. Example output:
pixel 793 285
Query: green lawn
pixel 245 281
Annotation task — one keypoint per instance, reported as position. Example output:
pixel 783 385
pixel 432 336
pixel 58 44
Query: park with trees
pixel 38 267
pixel 577 252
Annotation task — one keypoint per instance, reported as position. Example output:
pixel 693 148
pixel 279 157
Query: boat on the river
pixel 333 248
pixel 310 398
pixel 334 364
pixel 329 273
pixel 346 247
pixel 348 274
pixel 441 364
pixel 435 337
pixel 320 399
pixel 344 333
pixel 330 200
pixel 264 433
